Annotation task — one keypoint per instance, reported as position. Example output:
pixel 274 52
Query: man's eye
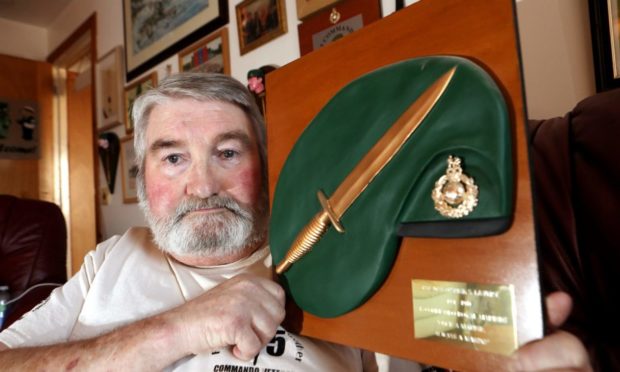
pixel 173 159
pixel 228 154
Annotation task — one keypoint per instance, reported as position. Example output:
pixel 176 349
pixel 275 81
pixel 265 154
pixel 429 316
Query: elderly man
pixel 196 290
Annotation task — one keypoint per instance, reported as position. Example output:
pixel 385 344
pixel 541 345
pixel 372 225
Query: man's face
pixel 204 187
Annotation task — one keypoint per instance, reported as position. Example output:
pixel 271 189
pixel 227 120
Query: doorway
pixel 74 139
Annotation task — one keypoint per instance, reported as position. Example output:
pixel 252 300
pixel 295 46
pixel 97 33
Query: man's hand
pixel 243 312
pixel 559 351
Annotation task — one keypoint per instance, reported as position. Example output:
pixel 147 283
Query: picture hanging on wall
pixel 156 30
pixel 258 22
pixel 605 26
pixel 129 170
pixel 108 146
pixel 209 54
pixel 110 78
pixel 132 92
pixel 19 129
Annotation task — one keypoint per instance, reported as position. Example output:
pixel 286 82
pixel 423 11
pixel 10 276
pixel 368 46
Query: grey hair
pixel 203 87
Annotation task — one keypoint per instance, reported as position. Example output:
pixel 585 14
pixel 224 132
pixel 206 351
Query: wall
pixel 557 55
pixel 32 40
pixel 555 39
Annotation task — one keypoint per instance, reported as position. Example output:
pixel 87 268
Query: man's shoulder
pixel 135 240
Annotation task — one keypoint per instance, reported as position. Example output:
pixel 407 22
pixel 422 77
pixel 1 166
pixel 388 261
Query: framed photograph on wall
pixel 605 25
pixel 132 92
pixel 129 170
pixel 336 22
pixel 109 81
pixel 156 30
pixel 306 8
pixel 209 54
pixel 404 3
pixel 258 22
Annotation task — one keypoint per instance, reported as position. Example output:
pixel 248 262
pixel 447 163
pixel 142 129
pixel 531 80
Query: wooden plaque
pixel 335 22
pixel 484 32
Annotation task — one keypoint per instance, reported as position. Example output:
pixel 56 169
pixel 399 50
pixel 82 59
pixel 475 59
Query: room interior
pixel 556 58
pixel 547 29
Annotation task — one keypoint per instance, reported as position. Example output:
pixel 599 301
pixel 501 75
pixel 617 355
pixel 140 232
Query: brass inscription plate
pixel 474 316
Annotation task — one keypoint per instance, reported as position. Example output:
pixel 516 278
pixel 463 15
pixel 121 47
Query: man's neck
pixel 215 261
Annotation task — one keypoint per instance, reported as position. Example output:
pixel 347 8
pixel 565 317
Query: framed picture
pixel 132 92
pixel 403 3
pixel 605 24
pixel 306 8
pixel 129 170
pixel 109 80
pixel 209 54
pixel 336 22
pixel 156 30
pixel 259 21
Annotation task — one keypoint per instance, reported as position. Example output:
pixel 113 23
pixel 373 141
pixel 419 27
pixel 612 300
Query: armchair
pixel 33 250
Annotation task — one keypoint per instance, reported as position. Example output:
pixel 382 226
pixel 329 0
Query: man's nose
pixel 202 181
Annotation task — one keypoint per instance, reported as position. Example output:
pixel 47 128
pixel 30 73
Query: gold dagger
pixel 364 172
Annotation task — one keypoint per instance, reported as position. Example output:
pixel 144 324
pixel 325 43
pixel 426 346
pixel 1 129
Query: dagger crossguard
pixel 311 234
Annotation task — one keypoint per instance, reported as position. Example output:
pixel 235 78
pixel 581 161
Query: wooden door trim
pixel 89 25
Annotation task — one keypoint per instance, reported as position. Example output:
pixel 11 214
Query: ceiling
pixel 40 13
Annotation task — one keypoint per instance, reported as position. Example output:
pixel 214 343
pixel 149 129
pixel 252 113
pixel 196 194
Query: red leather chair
pixel 33 250
pixel 576 167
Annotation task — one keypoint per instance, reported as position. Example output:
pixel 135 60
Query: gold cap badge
pixel 455 194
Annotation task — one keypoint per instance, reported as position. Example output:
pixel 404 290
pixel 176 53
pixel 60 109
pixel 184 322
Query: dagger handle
pixel 305 240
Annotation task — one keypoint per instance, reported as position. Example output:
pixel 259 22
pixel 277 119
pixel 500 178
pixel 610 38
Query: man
pixel 195 292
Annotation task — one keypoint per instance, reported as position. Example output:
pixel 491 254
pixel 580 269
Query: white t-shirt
pixel 127 278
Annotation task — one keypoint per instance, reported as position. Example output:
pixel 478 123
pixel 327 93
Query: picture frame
pixel 129 170
pixel 400 4
pixel 109 82
pixel 306 8
pixel 334 23
pixel 132 91
pixel 258 22
pixel 209 54
pixel 605 24
pixel 154 31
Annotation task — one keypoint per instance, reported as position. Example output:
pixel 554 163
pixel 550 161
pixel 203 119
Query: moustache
pixel 193 204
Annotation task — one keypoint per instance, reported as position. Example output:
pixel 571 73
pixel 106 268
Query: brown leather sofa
pixel 33 250
pixel 576 167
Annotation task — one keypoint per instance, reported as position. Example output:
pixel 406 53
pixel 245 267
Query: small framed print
pixel 129 170
pixel 336 22
pixel 404 3
pixel 132 92
pixel 209 54
pixel 109 79
pixel 258 22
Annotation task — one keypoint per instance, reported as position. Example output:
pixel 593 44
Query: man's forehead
pixel 182 121
pixel 191 105
pixel 219 116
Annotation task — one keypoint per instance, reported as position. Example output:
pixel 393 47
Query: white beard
pixel 213 235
